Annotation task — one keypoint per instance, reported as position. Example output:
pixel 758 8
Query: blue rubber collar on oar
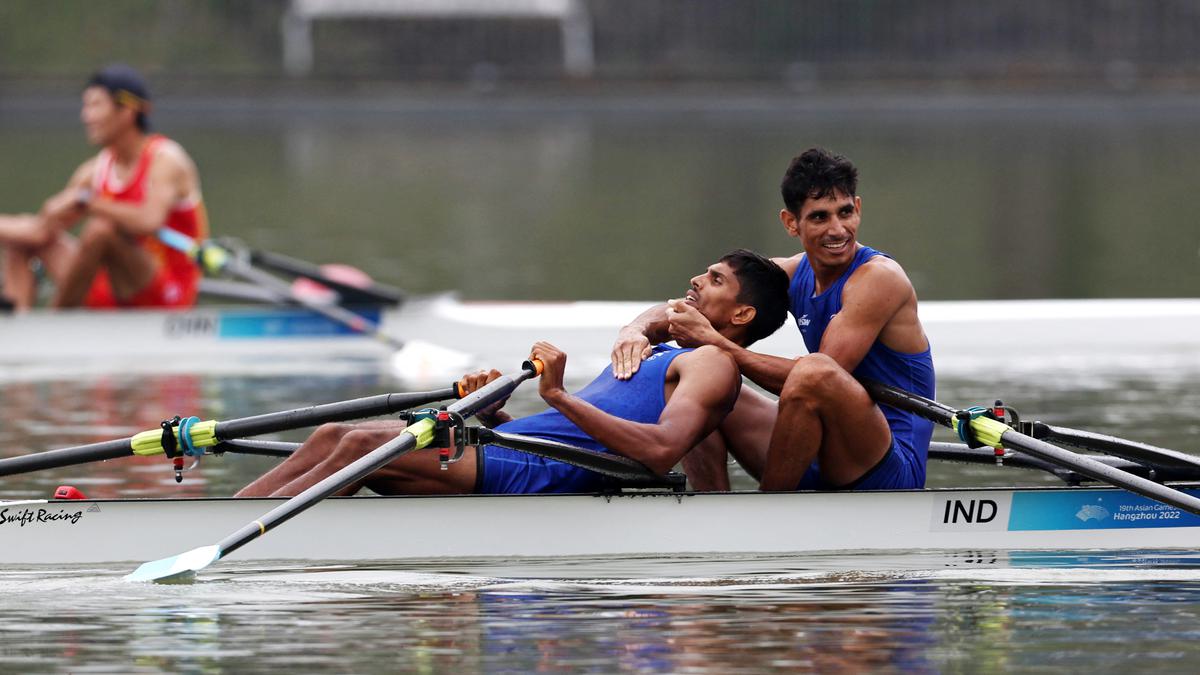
pixel 965 433
pixel 185 437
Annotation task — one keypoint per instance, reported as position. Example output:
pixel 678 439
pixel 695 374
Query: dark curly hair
pixel 816 174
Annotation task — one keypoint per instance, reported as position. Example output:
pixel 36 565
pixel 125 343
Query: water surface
pixel 503 199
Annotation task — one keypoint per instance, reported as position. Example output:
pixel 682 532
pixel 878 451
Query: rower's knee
pixel 812 380
pixel 26 235
pixel 358 442
pixel 99 231
pixel 329 435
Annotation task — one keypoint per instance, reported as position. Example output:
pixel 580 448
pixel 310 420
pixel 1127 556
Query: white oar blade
pixel 180 568
pixel 421 362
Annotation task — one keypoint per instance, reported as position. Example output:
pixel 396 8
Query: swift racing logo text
pixel 27 516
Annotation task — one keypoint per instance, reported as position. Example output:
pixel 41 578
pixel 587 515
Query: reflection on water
pixel 914 612
pixel 911 612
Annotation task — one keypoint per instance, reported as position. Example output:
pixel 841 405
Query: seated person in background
pixel 676 399
pixel 138 184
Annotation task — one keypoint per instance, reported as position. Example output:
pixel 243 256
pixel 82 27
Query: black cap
pixel 127 88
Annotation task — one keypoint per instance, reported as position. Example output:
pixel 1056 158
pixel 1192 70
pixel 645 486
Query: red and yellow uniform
pixel 176 279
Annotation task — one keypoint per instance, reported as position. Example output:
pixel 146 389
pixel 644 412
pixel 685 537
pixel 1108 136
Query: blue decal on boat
pixel 1094 510
pixel 299 323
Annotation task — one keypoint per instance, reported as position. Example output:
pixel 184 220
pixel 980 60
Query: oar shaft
pixel 247 446
pixel 1100 471
pixel 368 406
pixel 347 475
pixel 1118 447
pixel 53 459
pixel 944 415
pixel 334 313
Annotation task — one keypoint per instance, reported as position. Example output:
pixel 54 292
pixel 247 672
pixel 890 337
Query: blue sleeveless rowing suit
pixel 904 464
pixel 638 399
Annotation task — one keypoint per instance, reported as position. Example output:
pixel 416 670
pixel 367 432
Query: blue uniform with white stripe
pixel 904 464
pixel 638 399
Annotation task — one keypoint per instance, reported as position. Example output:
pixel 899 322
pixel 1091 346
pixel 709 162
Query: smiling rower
pixel 857 311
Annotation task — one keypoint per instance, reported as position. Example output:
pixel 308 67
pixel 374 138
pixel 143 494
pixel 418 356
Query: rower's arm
pixel 707 388
pixel 765 370
pixel 634 341
pixel 64 209
pixel 167 183
pixel 870 299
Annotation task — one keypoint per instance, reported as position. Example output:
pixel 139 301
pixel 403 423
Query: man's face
pixel 714 294
pixel 827 228
pixel 103 120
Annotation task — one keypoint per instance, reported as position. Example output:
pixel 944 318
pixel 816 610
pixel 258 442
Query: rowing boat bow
pixel 183 567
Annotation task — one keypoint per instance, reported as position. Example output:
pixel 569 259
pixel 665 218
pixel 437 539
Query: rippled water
pixel 909 613
pixel 912 612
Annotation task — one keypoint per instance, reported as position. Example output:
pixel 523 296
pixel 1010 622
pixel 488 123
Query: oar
pixel 209 433
pixel 418 435
pixel 374 294
pixel 997 434
pixel 1135 451
pixel 412 358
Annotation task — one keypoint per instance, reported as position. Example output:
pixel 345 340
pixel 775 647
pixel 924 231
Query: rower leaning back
pixel 676 399
pixel 138 183
pixel 857 312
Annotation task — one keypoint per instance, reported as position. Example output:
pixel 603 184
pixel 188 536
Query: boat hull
pixel 635 524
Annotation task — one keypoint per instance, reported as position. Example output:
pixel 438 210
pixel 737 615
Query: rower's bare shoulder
pixel 84 174
pixel 878 288
pixel 171 155
pixel 709 373
pixel 707 361
pixel 173 166
pixel 789 265
pixel 879 271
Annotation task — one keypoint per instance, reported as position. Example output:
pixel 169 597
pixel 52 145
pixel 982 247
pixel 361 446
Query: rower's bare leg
pixel 745 433
pixel 747 430
pixel 20 286
pixel 706 465
pixel 315 449
pixel 26 240
pixel 824 413
pixel 417 472
pixel 102 244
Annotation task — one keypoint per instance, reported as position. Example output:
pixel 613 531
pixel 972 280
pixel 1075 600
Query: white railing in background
pixel 572 16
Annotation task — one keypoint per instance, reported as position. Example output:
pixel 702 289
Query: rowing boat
pixel 640 514
pixel 631 524
pixel 250 338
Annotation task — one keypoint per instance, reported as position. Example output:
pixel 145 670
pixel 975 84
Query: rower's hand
pixel 687 326
pixel 631 348
pixel 554 364
pixel 474 381
pixel 62 210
